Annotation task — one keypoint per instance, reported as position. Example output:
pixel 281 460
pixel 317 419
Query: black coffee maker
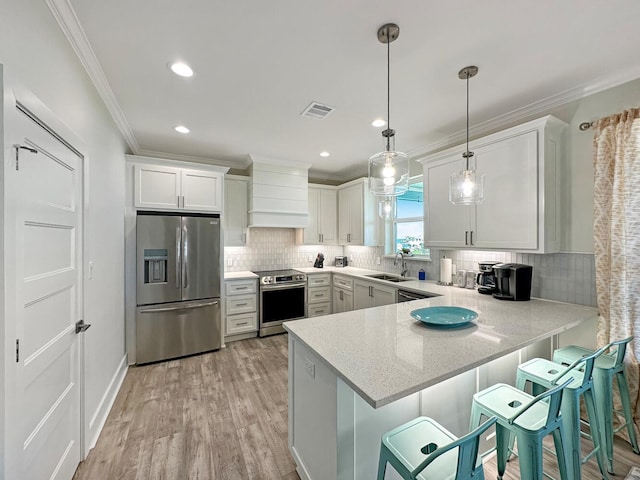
pixel 486 280
pixel 513 281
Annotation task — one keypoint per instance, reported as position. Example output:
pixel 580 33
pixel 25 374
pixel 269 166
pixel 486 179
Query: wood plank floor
pixel 222 415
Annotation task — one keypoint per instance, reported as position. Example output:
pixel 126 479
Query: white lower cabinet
pixel 342 294
pixel 318 294
pixel 372 294
pixel 241 308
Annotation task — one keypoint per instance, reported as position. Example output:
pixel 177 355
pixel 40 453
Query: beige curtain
pixel 616 232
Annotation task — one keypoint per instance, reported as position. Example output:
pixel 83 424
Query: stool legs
pixel 603 384
pixel 626 408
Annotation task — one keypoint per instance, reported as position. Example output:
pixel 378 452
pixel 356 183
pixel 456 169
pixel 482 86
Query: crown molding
pixel 70 25
pixel 540 107
pixel 239 164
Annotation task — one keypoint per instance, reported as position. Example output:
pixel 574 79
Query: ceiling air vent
pixel 317 110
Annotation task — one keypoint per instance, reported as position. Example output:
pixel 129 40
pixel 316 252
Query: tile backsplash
pixel 565 277
pixel 274 249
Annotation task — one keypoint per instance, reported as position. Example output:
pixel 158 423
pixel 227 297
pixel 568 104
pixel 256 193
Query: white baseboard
pixel 106 402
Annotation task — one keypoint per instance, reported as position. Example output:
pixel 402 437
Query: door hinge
pixel 81 326
pixel 24 147
pixel 17 350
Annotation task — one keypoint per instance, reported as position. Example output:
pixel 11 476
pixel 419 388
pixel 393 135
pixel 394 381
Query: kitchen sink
pixel 388 278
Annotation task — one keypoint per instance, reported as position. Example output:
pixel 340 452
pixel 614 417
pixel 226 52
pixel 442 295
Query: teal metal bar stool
pixel 530 418
pixel 424 445
pixel 544 374
pixel 607 366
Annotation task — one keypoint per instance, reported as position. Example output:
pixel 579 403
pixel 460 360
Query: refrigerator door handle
pixel 172 309
pixel 178 258
pixel 185 254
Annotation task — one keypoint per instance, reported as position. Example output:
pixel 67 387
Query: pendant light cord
pixel 388 89
pixel 467 154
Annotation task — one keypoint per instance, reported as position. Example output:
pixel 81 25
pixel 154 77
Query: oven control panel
pixel 282 279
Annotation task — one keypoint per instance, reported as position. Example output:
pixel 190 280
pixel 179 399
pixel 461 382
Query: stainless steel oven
pixel 282 298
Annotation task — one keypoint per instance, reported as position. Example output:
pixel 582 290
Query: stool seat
pixel 544 374
pixel 607 366
pixel 423 449
pixel 530 419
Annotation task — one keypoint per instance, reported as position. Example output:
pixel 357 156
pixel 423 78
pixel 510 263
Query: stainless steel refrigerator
pixel 178 285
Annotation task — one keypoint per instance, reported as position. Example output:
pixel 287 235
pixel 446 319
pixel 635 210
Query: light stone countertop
pixel 383 354
pixel 239 275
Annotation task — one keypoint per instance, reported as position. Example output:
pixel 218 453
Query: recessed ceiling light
pixel 182 129
pixel 379 122
pixel 324 154
pixel 182 69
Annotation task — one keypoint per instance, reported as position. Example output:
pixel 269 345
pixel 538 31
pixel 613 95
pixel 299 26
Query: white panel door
pixel 45 400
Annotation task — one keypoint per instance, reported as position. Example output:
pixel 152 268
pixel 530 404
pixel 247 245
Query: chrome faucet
pixel 404 271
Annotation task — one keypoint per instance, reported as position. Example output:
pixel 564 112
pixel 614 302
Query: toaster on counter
pixel 341 261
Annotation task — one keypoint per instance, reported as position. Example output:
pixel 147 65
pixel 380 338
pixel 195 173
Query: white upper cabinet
pixel 520 211
pixel 202 190
pixel 160 187
pixel 236 206
pixel 323 210
pixel 157 187
pixel 358 222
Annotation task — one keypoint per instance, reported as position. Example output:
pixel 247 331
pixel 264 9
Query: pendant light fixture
pixel 387 208
pixel 466 187
pixel 389 169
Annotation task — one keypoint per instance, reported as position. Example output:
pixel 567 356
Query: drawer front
pixel 319 294
pixel 247 322
pixel 318 309
pixel 240 287
pixel 345 283
pixel 319 280
pixel 241 304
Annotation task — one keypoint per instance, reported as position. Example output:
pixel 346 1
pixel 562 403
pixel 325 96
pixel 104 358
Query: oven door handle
pixel 265 288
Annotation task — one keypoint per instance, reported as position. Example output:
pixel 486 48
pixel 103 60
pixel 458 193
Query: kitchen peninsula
pixel 355 375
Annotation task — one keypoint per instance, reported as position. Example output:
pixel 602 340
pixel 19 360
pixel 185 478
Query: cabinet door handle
pixel 466 237
pixel 471 236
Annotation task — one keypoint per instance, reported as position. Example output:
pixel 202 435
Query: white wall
pixel 577 167
pixel 36 56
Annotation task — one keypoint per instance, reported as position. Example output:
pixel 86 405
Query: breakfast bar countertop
pixel 383 354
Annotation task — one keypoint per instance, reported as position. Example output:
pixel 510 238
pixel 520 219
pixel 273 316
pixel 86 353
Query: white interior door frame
pixel 13 95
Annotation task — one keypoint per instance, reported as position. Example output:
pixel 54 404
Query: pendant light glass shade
pixel 387 208
pixel 389 173
pixel 466 187
pixel 389 169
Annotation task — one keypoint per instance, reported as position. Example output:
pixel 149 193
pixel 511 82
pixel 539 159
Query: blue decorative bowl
pixel 446 317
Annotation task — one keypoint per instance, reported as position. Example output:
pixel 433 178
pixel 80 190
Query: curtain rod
pixel 585 126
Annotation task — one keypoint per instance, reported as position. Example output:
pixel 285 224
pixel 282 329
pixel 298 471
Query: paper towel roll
pixel 445 270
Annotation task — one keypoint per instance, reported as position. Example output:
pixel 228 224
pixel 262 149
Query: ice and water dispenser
pixel 155 265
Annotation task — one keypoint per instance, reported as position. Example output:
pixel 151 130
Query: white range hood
pixel 278 193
